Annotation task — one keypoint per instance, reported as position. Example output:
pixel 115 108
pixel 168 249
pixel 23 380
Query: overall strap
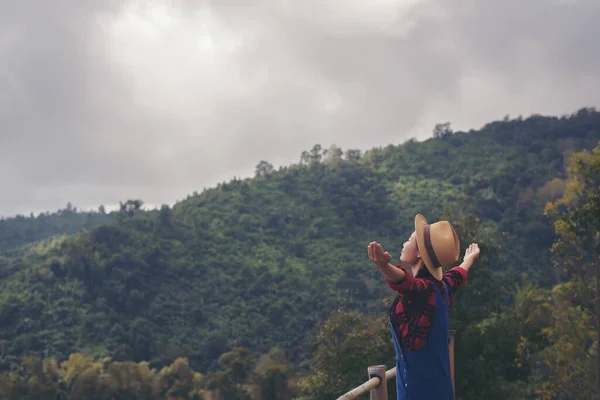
pixel 400 362
pixel 446 301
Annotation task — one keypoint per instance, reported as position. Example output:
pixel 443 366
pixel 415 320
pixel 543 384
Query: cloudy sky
pixel 104 100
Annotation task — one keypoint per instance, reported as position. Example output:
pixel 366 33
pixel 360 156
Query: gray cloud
pixel 103 101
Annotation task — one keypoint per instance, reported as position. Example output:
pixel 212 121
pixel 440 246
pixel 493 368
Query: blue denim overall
pixel 424 374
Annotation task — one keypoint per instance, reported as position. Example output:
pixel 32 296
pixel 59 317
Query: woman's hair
pixel 424 273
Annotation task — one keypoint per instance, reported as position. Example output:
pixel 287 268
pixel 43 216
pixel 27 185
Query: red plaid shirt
pixel 413 311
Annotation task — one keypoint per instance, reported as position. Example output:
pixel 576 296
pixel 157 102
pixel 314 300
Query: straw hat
pixel 438 244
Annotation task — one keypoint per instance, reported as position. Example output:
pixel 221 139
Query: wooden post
pixel 379 392
pixel 451 351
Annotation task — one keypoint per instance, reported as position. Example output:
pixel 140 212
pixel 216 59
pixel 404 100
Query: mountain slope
pixel 259 262
pixel 18 233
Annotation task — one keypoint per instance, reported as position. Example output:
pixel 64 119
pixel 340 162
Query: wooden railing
pixel 376 386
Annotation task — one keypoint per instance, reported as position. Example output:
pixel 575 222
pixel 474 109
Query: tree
pixel 237 366
pixel 130 207
pixel 165 217
pixel 263 168
pixel 348 342
pixel 353 155
pixel 316 153
pixel 333 155
pixel 304 157
pixel 576 218
pixel 273 372
pixel 442 130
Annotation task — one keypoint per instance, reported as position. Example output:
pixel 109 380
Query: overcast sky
pixel 104 100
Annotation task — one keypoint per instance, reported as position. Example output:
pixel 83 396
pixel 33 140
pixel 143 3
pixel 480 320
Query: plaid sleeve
pixel 409 283
pixel 455 278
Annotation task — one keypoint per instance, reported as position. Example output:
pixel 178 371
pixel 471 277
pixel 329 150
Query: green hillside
pixel 20 232
pixel 259 263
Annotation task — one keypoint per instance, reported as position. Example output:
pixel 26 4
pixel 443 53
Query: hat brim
pixel 420 223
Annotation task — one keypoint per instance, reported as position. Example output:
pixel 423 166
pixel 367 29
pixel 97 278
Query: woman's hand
pixel 378 256
pixel 471 253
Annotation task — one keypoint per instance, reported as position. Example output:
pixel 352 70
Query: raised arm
pixel 382 260
pixel 457 276
pixel 392 273
pixel 396 276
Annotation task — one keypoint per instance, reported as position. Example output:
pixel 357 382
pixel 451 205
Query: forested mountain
pixel 17 233
pixel 256 266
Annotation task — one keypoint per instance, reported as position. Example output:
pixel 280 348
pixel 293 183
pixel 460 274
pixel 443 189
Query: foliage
pixel 17 234
pixel 576 217
pixel 240 279
pixel 241 377
pixel 348 342
pixel 572 362
pixel 82 377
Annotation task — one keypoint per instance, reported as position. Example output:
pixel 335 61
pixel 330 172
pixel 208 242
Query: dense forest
pixel 261 288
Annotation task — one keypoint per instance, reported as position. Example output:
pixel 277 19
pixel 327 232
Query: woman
pixel 419 315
